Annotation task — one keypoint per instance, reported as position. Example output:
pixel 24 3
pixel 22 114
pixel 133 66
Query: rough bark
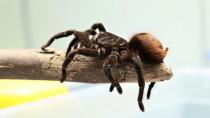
pixel 33 64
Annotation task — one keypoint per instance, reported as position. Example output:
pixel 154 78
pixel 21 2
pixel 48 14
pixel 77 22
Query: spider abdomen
pixel 149 48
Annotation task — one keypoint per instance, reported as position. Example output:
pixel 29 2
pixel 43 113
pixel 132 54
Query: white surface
pixel 186 95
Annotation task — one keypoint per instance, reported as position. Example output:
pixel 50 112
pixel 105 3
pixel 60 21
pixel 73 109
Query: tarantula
pixel 142 47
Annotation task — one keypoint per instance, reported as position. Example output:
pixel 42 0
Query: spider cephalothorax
pixel 116 50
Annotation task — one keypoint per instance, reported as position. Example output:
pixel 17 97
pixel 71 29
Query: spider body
pixel 115 50
pixel 106 39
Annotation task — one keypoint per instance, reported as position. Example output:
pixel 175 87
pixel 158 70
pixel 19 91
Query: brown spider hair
pixel 148 47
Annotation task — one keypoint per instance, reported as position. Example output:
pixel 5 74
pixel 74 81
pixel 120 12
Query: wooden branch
pixel 33 64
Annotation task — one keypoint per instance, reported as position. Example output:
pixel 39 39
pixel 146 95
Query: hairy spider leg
pixel 83 37
pixel 81 40
pixel 72 43
pixel 141 82
pixel 70 56
pixel 151 85
pixel 109 63
pixel 57 36
pixel 98 26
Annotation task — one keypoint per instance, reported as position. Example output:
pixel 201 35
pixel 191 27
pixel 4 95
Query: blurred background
pixel 181 25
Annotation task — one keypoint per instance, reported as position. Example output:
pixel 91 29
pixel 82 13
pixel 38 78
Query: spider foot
pixel 141 106
pixel 62 79
pixel 148 97
pixel 111 88
pixel 45 50
pixel 119 89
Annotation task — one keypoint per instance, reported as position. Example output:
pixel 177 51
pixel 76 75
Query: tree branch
pixel 33 64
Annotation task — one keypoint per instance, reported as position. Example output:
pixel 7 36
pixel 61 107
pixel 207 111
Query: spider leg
pixel 151 85
pixel 111 62
pixel 100 27
pixel 72 43
pixel 70 56
pixel 76 45
pixel 141 82
pixel 83 37
pixel 57 36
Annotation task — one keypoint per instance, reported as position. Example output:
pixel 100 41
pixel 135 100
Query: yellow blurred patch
pixel 14 92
